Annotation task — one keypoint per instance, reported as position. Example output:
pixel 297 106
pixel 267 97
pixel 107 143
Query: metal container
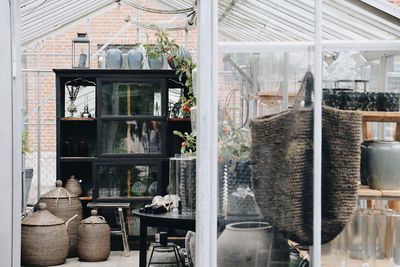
pixel 382 164
pixel 44 239
pixel 94 239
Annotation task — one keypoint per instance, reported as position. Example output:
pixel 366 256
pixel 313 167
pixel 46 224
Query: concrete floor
pixel 115 260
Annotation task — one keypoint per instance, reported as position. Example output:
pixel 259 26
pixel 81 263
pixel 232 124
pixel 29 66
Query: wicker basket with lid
pixel 73 186
pixel 64 205
pixel 44 239
pixel 94 238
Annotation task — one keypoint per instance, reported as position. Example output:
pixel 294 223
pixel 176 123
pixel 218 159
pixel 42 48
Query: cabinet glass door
pixel 126 180
pixel 132 136
pixel 131 98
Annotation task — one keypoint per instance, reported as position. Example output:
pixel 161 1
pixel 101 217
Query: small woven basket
pixel 73 186
pixel 93 239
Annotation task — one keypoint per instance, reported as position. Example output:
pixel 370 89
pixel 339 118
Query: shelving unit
pixel 129 138
pixel 379 116
pixel 364 192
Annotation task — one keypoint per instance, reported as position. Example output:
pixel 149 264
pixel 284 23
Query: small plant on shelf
pixel 25 144
pixel 153 51
pixel 184 65
pixel 188 146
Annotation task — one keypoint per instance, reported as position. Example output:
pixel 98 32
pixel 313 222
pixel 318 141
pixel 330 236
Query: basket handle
pixel 306 89
pixel 70 219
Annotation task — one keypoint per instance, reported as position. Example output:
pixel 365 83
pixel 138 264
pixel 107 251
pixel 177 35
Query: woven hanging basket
pixel 93 239
pixel 44 239
pixel 64 205
pixel 282 158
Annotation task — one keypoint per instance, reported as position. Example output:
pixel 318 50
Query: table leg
pixel 143 243
pixel 123 232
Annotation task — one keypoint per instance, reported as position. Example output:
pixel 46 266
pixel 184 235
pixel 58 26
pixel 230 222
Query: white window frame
pixel 207 123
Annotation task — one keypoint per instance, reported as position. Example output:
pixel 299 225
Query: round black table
pixel 172 219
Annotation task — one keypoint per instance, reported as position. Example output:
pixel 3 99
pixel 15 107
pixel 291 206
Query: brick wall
pixel 100 29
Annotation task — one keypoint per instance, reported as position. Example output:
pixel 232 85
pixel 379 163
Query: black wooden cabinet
pixel 122 151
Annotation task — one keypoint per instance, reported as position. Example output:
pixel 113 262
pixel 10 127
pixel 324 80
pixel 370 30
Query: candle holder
pixel 73 87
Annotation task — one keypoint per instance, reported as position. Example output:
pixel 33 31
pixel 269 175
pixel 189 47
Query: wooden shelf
pixel 77 159
pixel 86 198
pixel 77 119
pixel 138 198
pixel 178 119
pixel 366 192
pixel 380 116
pixel 273 98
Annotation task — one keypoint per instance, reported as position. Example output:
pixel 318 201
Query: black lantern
pixel 81 51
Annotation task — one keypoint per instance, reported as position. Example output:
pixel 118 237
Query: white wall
pixel 10 136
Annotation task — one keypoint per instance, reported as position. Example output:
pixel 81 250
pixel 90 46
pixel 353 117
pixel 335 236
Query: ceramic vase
pixel 382 164
pixel 156 63
pixel 245 244
pixel 182 54
pixel 114 58
pixel 135 58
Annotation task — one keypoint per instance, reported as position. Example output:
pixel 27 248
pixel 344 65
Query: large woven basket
pixel 282 158
pixel 44 239
pixel 64 205
pixel 94 239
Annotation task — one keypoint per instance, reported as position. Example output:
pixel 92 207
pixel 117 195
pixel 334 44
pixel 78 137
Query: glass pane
pixel 258 198
pixel 136 98
pixel 127 180
pixel 132 137
pixel 368 169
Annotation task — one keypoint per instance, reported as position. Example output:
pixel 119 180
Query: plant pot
pixel 28 175
pixel 182 54
pixel 245 244
pixel 114 58
pixel 135 58
pixel 156 63
pixel 383 166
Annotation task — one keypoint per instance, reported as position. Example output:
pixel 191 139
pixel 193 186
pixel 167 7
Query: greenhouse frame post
pixel 207 135
pixel 316 249
pixel 11 140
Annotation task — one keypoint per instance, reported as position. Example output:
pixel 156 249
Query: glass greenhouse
pixel 267 130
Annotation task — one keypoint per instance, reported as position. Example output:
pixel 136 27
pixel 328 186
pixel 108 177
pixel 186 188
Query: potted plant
pixel 28 172
pixel 188 145
pixel 155 56
pixel 234 156
pixel 180 60
pixel 175 53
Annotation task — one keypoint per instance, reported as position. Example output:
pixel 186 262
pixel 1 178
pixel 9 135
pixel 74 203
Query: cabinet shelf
pixel 380 116
pixel 85 198
pixel 77 159
pixel 178 119
pixel 78 119
pixel 137 198
pixel 367 193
